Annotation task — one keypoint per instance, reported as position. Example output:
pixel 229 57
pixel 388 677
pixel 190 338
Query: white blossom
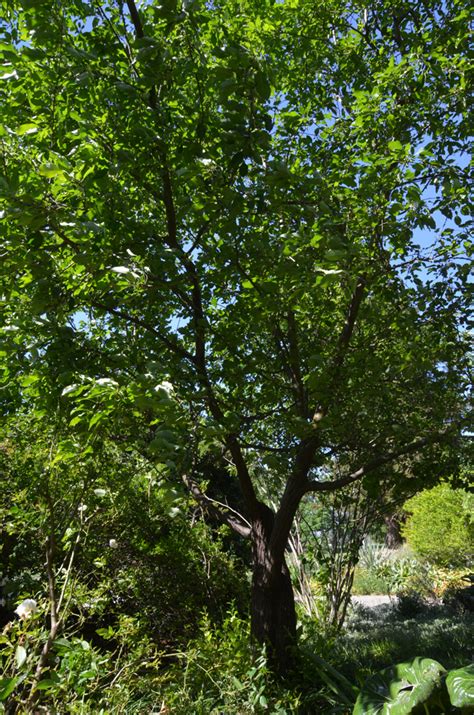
pixel 26 608
pixel 166 386
pixel 107 380
pixel 113 543
pixel 206 162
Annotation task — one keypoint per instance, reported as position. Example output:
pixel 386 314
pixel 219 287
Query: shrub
pixel 221 672
pixel 373 556
pixel 440 526
pixel 410 604
pixel 449 581
pixel 368 582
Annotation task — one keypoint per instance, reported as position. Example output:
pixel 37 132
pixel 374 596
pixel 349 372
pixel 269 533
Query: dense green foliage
pixel 214 192
pixel 234 277
pixel 135 551
pixel 130 564
pixel 440 525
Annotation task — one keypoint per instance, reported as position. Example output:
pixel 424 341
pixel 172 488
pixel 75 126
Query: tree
pixel 222 199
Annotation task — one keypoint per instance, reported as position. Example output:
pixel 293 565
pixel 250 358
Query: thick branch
pixel 290 501
pixel 309 445
pixel 374 464
pixel 137 23
pixel 245 481
pixel 223 512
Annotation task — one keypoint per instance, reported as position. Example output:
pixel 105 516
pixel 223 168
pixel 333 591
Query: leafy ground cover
pixel 220 671
pixel 377 637
pixel 218 674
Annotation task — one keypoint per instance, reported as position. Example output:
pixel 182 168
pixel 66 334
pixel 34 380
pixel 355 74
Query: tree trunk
pixel 393 535
pixel 273 615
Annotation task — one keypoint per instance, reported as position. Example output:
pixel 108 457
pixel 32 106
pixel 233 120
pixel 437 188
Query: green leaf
pixel 70 389
pixel 50 171
pixel 27 129
pixel 20 656
pixel 397 690
pixel 460 684
pixel 61 643
pixel 395 146
pixel 262 86
pixel 106 633
pixel 46 684
pixel 7 686
pixel 95 419
pixel 88 674
pixel 9 75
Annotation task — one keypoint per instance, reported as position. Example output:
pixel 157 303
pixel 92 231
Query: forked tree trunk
pixel 273 615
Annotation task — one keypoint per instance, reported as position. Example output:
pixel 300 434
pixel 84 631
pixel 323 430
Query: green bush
pixel 369 582
pixel 133 566
pixel 440 526
pixel 221 672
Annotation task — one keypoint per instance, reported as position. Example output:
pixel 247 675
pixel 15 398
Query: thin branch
pixel 65 239
pixel 309 445
pixel 168 201
pixel 342 345
pixel 295 362
pixel 264 447
pixel 173 345
pixel 199 319
pixel 170 210
pixel 56 614
pixel 126 46
pixel 287 347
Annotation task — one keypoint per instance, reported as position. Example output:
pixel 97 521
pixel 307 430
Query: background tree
pixel 224 198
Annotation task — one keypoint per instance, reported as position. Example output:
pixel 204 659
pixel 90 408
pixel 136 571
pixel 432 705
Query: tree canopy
pixel 241 228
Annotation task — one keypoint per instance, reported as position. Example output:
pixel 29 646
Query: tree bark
pixel 393 534
pixel 273 615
